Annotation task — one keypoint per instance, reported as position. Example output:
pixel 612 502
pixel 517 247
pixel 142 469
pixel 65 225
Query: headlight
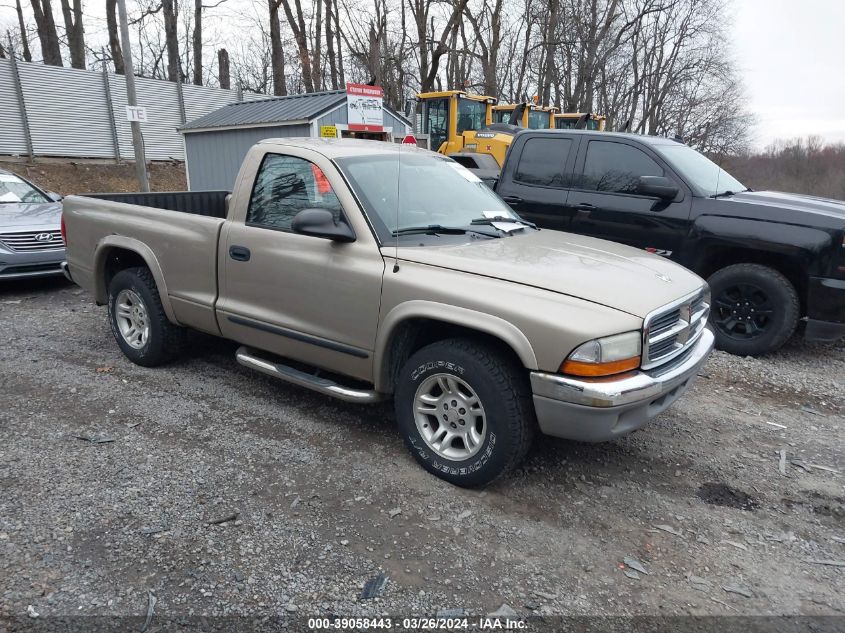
pixel 605 356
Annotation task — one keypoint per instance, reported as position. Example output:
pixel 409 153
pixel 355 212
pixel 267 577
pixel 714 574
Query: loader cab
pixel 533 117
pixel 588 120
pixel 449 115
pixel 541 118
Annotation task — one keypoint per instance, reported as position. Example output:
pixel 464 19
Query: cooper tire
pixel 755 309
pixel 134 305
pixel 477 370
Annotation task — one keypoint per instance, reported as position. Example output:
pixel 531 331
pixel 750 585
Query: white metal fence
pixel 55 111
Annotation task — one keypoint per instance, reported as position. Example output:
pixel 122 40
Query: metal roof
pixel 300 108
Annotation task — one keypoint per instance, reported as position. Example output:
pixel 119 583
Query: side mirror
pixel 53 196
pixel 657 187
pixel 321 223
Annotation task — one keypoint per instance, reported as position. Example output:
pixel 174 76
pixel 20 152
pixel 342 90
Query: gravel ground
pixel 326 496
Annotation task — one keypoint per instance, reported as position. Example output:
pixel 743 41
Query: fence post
pixel 112 123
pixel 22 104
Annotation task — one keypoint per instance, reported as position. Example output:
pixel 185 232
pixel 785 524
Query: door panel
pixel 535 185
pixel 606 206
pixel 306 298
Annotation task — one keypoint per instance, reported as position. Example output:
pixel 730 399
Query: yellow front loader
pixel 579 121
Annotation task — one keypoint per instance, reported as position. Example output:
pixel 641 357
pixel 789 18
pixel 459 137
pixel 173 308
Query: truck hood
pixel 792 202
pixel 21 216
pixel 603 272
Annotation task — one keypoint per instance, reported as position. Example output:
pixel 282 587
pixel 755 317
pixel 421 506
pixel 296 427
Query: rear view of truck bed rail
pixel 208 203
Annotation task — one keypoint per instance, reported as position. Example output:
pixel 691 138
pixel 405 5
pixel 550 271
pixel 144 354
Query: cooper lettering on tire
pixel 464 410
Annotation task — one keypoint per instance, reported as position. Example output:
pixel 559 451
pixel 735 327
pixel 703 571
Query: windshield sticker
pixel 9 197
pixel 463 171
pixel 10 178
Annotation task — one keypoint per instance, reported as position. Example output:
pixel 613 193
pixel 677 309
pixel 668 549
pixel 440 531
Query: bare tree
pixel 75 31
pixel 48 36
pixel 114 39
pixel 27 54
pixel 277 56
pixel 171 38
pixel 300 34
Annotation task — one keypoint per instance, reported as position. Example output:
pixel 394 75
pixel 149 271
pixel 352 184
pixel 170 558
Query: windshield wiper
pixel 434 229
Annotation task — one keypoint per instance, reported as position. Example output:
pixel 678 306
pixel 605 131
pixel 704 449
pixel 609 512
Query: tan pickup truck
pixel 365 271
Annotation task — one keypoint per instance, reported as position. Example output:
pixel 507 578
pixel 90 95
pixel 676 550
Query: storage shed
pixel 216 143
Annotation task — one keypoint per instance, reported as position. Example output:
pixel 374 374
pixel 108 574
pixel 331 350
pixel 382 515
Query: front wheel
pixel 464 410
pixel 755 309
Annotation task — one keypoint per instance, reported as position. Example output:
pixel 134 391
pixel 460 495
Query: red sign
pixel 409 140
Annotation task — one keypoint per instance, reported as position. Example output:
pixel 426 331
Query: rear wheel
pixel 141 328
pixel 755 309
pixel 464 410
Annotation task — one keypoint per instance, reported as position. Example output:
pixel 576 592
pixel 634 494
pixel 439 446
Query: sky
pixel 790 55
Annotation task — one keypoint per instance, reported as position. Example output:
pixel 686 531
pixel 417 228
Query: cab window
pixel 616 167
pixel 538 120
pixel 436 123
pixel 543 162
pixel 284 186
pixel 470 115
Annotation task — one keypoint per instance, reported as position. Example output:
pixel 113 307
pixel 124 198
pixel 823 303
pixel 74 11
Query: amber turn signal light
pixel 578 368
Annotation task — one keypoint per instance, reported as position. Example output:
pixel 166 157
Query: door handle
pixel 239 253
pixel 585 206
pixel 512 199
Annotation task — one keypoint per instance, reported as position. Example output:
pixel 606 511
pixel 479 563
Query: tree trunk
pixel 277 56
pixel 75 32
pixel 197 42
pixel 330 45
pixel 339 49
pixel 114 40
pixel 171 40
pixel 318 46
pixel 300 34
pixel 223 69
pixel 51 54
pixel 27 54
pixel 551 32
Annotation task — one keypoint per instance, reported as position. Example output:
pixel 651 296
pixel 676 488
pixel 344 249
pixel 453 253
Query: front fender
pixel 472 319
pixel 101 253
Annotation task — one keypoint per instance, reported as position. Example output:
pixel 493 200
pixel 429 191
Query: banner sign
pixel 364 107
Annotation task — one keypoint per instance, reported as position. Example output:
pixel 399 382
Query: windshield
pixel 471 115
pixel 14 189
pixel 433 190
pixel 538 120
pixel 700 172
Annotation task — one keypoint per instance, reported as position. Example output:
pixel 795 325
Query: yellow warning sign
pixel 328 131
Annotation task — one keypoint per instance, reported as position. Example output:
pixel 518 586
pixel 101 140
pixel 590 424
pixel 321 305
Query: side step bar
pixel 249 358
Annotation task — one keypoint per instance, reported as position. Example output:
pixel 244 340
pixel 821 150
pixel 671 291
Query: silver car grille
pixel 33 241
pixel 670 331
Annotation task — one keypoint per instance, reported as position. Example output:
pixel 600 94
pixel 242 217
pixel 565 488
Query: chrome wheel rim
pixel 131 317
pixel 450 417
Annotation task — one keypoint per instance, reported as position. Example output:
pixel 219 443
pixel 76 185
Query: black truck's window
pixel 616 167
pixel 286 185
pixel 543 162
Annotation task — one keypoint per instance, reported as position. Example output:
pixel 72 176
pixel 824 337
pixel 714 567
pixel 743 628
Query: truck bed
pixel 208 203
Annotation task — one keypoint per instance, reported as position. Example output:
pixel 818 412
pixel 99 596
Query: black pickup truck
pixel 771 258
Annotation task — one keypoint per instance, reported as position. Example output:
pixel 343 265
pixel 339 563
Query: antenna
pixel 398 193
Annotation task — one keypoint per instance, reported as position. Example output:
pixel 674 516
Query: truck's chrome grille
pixel 671 330
pixel 33 241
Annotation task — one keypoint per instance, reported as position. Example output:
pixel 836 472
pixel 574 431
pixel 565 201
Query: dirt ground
pixel 69 177
pixel 223 492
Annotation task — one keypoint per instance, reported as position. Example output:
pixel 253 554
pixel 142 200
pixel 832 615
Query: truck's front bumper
pixel 599 410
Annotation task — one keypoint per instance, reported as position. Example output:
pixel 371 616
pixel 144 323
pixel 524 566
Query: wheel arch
pixel 117 252
pixel 414 324
pixel 789 264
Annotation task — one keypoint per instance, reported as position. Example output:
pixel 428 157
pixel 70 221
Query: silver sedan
pixel 31 243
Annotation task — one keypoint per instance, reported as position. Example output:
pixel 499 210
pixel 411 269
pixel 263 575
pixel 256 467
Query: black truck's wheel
pixel 464 411
pixel 138 321
pixel 755 309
